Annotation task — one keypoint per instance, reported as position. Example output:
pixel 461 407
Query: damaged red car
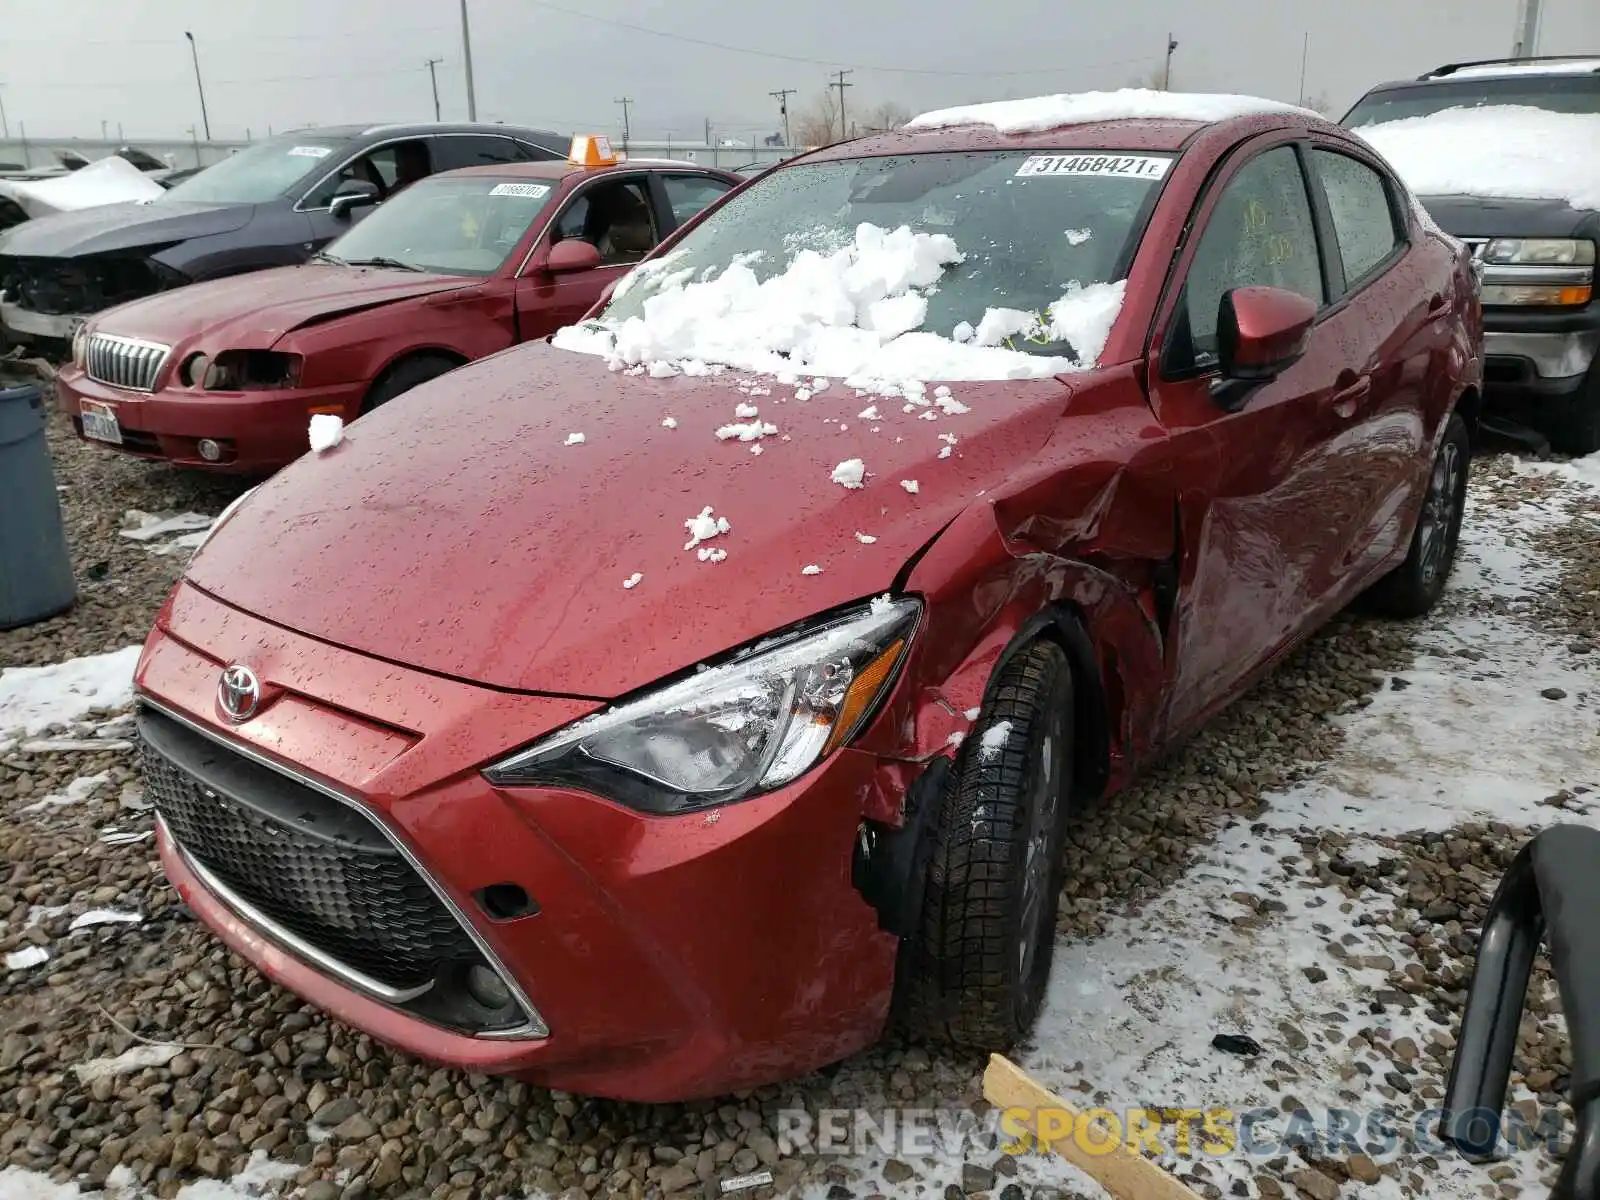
pixel 224 375
pixel 670 707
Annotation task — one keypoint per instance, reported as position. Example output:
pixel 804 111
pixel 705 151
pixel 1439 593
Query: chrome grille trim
pixel 124 362
pixel 534 1028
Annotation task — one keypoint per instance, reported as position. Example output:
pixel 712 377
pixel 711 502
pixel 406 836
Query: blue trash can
pixel 35 568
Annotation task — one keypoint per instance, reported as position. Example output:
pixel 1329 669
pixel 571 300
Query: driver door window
pixel 380 167
pixel 614 217
pixel 1259 233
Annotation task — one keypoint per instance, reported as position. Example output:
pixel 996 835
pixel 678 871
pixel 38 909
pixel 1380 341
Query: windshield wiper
pixel 381 262
pixel 324 256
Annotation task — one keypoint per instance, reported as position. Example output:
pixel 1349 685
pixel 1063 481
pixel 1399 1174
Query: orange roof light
pixel 592 150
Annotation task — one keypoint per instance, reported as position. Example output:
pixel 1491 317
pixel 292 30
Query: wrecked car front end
pixel 46 298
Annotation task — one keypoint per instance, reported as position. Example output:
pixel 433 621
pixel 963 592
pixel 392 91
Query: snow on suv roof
pixel 1038 113
pixel 1580 66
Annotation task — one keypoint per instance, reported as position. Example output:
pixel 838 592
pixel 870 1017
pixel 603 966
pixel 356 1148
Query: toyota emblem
pixel 239 692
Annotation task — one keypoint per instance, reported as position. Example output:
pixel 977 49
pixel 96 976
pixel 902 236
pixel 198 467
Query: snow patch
pixel 28 956
pixel 143 527
pixel 746 433
pixel 669 422
pixel 812 569
pixel 910 486
pixel 103 916
pixel 1077 237
pixel 703 527
pixel 326 431
pixel 993 741
pixel 746 411
pixel 574 439
pixel 1038 113
pixel 34 698
pixel 850 473
pixel 77 792
pixel 869 413
pixel 866 539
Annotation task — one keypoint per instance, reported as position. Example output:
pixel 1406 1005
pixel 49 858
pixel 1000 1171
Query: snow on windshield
pixel 1511 151
pixel 959 266
pixel 1038 113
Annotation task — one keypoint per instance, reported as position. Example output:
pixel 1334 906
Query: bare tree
pixel 1155 81
pixel 817 123
pixel 884 117
pixel 1319 102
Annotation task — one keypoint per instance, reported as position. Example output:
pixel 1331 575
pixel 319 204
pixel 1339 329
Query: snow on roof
pixel 1506 151
pixel 854 314
pixel 1584 66
pixel 1039 113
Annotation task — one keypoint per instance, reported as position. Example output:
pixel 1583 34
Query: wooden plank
pixel 1125 1173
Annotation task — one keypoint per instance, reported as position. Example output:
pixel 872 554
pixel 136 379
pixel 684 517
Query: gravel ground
pixel 246 1068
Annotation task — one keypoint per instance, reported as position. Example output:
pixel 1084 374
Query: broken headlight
pixel 751 724
pixel 246 370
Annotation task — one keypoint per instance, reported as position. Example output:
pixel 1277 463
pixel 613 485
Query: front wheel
pixel 979 959
pixel 1578 430
pixel 1415 586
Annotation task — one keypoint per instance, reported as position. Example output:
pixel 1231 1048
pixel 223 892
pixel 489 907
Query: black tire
pixel 1578 431
pixel 1415 586
pixel 977 964
pixel 405 375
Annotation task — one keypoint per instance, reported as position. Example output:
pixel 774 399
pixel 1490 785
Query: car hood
pixel 1483 216
pixel 253 311
pixel 458 532
pixel 126 226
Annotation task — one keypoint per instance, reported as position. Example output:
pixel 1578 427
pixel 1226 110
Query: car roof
pixel 1501 68
pixel 545 138
pixel 557 169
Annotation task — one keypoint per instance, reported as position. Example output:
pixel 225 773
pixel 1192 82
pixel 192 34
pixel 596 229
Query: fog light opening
pixel 506 902
pixel 487 988
pixel 210 450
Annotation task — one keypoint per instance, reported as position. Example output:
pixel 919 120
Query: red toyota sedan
pixel 667 707
pixel 223 375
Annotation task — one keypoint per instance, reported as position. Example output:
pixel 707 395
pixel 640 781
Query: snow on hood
pixel 854 314
pixel 1038 113
pixel 112 180
pixel 1498 151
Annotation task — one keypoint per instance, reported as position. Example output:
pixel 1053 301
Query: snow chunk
pixel 1082 317
pixel 853 314
pixel 910 485
pixel 866 539
pixel 944 451
pixel 77 792
pixel 746 411
pixel 972 713
pixel 964 332
pixel 1077 237
pixel 950 405
pixel 881 604
pixel 326 431
pixel 711 554
pixel 998 324
pixel 869 413
pixel 661 369
pixel 136 1058
pixel 28 956
pixel 574 439
pixel 142 526
pixel 850 473
pixel 993 741
pixel 34 698
pixel 703 527
pixel 669 422
pixel 103 916
pixel 955 739
pixel 756 449
pixel 1503 151
pixel 746 433
pixel 1038 113
pixel 632 581
pixel 813 569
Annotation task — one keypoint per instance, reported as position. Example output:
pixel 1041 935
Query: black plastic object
pixel 1552 890
pixel 35 569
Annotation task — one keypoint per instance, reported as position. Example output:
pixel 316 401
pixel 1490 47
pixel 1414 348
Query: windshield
pixel 463 225
pixel 1031 227
pixel 1553 93
pixel 260 173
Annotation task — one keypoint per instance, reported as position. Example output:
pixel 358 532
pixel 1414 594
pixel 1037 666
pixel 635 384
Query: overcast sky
pixel 68 65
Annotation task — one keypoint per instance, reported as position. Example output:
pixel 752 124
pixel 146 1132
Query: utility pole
pixel 782 96
pixel 5 126
pixel 120 138
pixel 466 58
pixel 102 131
pixel 1166 75
pixel 708 133
pixel 1526 45
pixel 1305 49
pixel 841 85
pixel 626 128
pixel 201 87
pixel 434 78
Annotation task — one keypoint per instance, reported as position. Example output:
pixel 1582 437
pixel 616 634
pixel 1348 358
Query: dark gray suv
pixel 272 204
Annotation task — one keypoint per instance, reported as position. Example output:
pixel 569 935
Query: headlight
pixel 1541 295
pixel 753 723
pixel 242 370
pixel 80 340
pixel 1539 252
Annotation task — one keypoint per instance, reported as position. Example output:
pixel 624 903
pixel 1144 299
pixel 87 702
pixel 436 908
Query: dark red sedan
pixel 224 375
pixel 664 709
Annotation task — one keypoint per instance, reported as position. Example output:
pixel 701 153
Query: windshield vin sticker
pixel 519 189
pixel 1133 166
pixel 310 151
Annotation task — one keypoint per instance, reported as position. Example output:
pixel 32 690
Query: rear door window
pixel 689 194
pixel 1363 217
pixel 474 150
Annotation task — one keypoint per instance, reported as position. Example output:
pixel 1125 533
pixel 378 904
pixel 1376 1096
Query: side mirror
pixel 571 256
pixel 352 194
pixel 1261 332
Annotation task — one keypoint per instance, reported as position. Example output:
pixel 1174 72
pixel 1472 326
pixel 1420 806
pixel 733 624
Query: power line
pixel 826 62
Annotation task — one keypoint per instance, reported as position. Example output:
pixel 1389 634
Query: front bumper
pixel 669 958
pixel 1537 360
pixel 259 431
pixel 20 322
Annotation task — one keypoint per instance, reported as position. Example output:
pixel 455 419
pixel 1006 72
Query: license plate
pixel 100 422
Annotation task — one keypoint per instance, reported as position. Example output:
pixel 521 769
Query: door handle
pixel 1348 397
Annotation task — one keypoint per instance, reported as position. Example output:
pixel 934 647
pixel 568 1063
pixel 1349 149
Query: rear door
pixel 615 214
pixel 1265 524
pixel 1391 316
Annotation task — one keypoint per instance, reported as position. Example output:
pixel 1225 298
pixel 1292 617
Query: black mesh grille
pixel 312 864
